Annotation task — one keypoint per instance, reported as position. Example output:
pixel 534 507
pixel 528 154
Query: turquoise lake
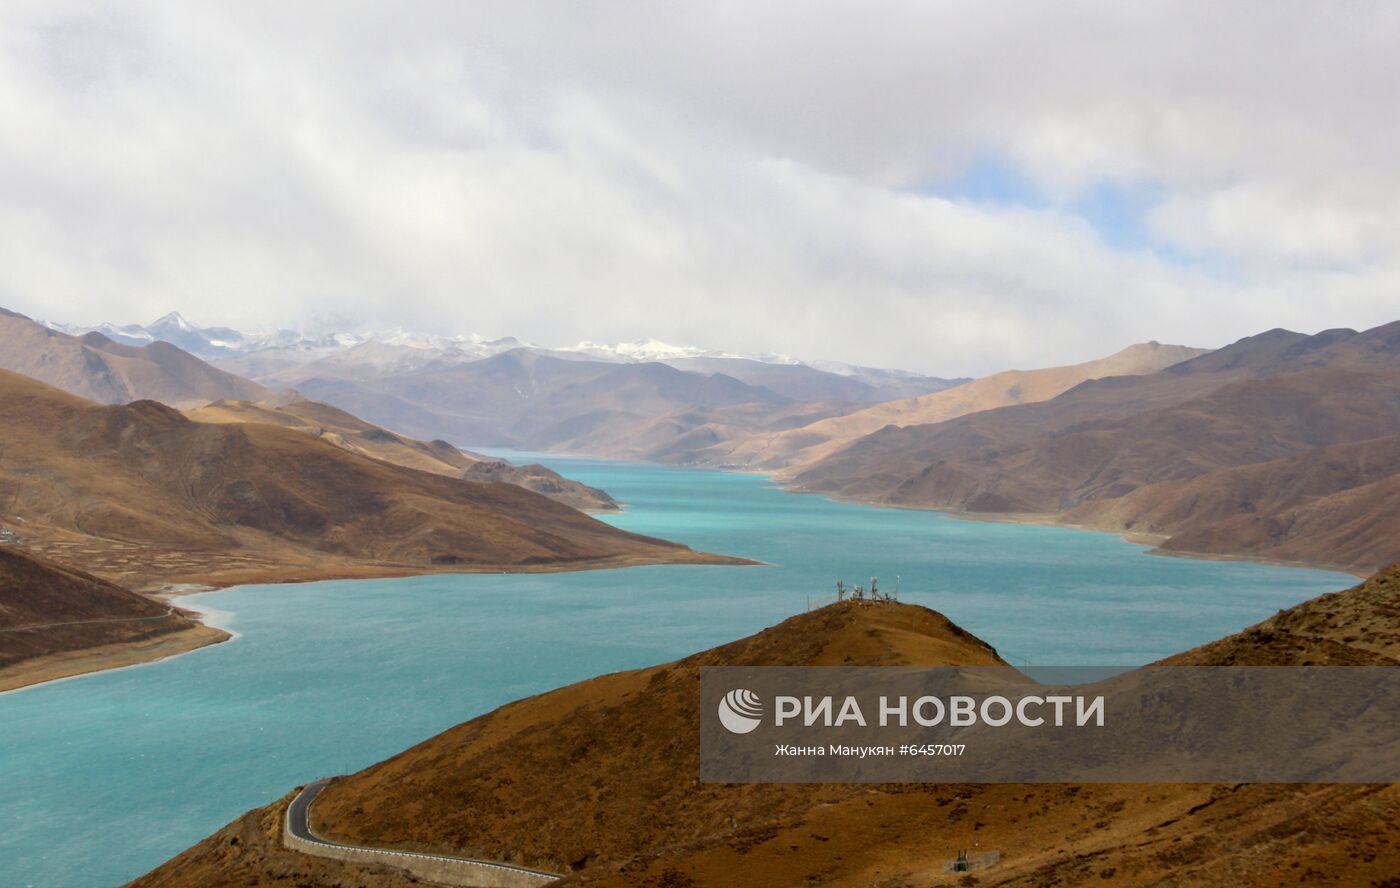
pixel 105 776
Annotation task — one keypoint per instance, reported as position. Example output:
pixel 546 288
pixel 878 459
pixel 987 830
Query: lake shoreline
pixel 208 582
pixel 1041 519
pixel 86 661
pixel 1048 519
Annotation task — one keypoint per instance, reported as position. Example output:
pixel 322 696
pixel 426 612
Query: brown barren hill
pixel 529 400
pixel 351 433
pixel 1279 401
pixel 56 621
pixel 95 367
pixel 343 429
pixel 545 480
pixel 598 780
pixel 1337 506
pixel 618 753
pixel 1012 458
pixel 794 448
pixel 142 494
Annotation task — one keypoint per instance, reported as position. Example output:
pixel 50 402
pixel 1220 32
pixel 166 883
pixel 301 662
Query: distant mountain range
pixel 786 452
pixel 174 329
pixel 95 367
pixel 1280 446
pixel 642 400
pixel 396 350
pixel 536 401
pixel 275 357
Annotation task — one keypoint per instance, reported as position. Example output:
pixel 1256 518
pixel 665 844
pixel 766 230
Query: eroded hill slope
pixel 142 494
pixel 351 433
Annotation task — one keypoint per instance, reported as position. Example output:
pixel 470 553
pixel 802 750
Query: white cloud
pixel 736 175
pixel 1274 224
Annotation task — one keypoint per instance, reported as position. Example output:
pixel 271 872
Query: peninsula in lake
pixel 132 493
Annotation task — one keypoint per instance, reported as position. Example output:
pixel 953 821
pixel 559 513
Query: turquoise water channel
pixel 105 776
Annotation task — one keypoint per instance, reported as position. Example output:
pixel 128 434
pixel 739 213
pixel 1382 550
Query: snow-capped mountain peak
pixel 639 350
pixel 656 350
pixel 172 319
pixel 397 351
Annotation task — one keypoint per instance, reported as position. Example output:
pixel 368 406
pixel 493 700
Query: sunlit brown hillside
pixel 351 433
pixel 141 493
pixel 797 447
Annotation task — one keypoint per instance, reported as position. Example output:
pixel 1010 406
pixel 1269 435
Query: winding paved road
pixel 298 825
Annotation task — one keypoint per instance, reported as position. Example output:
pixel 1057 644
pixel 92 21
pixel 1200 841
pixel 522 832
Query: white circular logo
pixel 740 711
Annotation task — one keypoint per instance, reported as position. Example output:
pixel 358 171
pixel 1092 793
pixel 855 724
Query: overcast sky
pixel 946 187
